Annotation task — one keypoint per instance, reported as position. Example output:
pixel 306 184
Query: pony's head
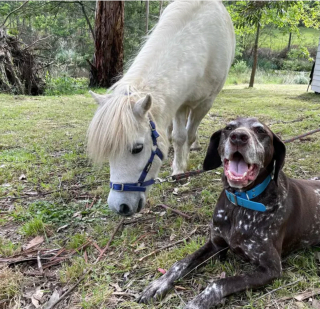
pixel 120 132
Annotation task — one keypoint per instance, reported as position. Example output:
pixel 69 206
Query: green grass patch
pixel 43 138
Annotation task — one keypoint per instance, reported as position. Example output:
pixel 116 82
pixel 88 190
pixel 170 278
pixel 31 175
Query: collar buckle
pixel 235 199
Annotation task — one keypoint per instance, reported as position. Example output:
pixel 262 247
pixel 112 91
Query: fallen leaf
pixel 54 297
pixel 172 237
pixel 163 271
pixel 223 275
pixel 315 304
pixel 140 247
pixel 22 177
pixel 116 286
pixel 306 295
pixel 34 242
pixel 36 298
pixel 162 213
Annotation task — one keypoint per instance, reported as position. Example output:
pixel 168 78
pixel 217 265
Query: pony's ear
pixel 278 156
pixel 100 99
pixel 142 106
pixel 213 159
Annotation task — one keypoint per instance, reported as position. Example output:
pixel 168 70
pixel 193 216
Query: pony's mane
pixel 113 129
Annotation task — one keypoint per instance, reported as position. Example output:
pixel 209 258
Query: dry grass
pixel 43 138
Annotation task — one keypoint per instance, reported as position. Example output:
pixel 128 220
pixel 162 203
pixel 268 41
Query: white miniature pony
pixel 175 77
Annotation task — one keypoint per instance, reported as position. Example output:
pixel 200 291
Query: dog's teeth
pixel 245 174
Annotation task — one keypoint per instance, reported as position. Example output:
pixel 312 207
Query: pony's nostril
pixel 124 209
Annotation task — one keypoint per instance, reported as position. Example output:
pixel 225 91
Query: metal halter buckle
pixel 119 184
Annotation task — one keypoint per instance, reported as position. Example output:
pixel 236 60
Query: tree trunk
pixel 108 57
pixel 161 6
pixel 255 56
pixel 289 43
pixel 147 16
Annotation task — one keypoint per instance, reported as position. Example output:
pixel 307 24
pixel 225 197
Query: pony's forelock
pixel 113 129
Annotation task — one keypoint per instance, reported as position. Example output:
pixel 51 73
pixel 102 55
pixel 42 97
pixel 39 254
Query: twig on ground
pixel 70 290
pixel 109 242
pixel 175 211
pixel 39 263
pixel 168 246
pixel 137 220
pixel 279 288
pixel 97 247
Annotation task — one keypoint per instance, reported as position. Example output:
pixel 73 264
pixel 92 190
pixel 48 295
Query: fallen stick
pixel 138 220
pixel 175 211
pixel 168 246
pixel 109 242
pixel 69 291
pixel 39 263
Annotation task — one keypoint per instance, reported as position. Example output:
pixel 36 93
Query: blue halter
pixel 141 184
pixel 243 198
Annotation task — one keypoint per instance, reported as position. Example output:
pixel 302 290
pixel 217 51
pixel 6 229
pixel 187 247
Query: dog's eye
pixel 229 128
pixel 260 130
pixel 137 148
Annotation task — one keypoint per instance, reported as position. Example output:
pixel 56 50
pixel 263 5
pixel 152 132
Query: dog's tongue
pixel 238 166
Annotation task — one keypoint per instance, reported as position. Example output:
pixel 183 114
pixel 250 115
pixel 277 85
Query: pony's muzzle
pixel 126 203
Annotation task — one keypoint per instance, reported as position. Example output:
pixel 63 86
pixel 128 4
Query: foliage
pixel 65 84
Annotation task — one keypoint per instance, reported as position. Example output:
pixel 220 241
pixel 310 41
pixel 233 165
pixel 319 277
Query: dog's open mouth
pixel 238 171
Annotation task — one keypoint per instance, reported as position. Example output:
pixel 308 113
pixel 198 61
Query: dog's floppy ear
pixel 279 155
pixel 213 159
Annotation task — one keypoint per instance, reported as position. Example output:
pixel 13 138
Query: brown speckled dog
pixel 261 215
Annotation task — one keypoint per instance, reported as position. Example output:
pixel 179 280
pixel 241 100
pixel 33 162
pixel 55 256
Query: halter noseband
pixel 141 184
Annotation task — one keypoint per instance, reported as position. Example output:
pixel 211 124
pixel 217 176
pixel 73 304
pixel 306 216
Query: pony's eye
pixel 137 148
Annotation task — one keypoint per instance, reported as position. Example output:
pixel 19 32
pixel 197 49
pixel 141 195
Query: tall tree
pixel 109 35
pixel 252 16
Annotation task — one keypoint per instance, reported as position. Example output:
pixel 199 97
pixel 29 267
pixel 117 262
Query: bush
pixel 297 65
pixel 65 85
pixel 240 67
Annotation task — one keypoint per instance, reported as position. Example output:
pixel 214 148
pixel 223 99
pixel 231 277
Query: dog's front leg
pixel 161 286
pixel 268 270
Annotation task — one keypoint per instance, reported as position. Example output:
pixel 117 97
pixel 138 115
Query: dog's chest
pixel 246 232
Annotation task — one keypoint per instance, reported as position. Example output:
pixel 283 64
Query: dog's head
pixel 249 151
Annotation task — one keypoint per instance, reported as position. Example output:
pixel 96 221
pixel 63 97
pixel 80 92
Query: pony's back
pixel 188 48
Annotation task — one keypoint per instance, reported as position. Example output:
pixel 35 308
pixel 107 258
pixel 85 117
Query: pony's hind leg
pixel 194 119
pixel 179 141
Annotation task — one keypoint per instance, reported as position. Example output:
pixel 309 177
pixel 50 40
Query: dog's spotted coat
pixel 291 220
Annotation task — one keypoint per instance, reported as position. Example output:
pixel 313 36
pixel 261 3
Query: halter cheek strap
pixel 141 185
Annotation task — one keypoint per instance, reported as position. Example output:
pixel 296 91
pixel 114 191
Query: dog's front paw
pixel 156 290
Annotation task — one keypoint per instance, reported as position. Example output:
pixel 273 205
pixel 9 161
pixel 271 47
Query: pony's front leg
pixel 179 141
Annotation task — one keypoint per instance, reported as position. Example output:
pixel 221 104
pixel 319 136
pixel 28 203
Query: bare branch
pixel 87 19
pixel 24 3
pixel 35 42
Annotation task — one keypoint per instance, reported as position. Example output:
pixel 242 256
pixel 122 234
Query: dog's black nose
pixel 124 209
pixel 239 138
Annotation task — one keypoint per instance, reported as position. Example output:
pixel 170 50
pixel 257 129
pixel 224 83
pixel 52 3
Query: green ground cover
pixel 276 39
pixel 48 187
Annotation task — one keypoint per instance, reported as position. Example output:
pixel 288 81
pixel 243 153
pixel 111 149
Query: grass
pixel 44 139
